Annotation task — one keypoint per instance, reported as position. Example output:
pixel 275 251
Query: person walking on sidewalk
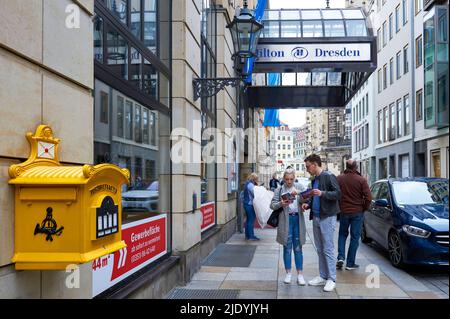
pixel 274 183
pixel 291 230
pixel 355 200
pixel 249 185
pixel 323 205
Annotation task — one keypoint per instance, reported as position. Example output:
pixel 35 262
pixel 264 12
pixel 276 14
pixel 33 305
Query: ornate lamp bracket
pixel 209 87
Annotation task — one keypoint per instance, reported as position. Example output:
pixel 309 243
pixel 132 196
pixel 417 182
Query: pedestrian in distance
pixel 274 183
pixel 355 200
pixel 323 205
pixel 291 230
pixel 249 195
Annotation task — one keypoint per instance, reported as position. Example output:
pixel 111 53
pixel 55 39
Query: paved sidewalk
pixel 263 278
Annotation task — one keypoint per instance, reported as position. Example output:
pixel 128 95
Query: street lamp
pixel 245 31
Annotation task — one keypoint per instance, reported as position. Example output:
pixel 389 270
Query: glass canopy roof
pixel 310 23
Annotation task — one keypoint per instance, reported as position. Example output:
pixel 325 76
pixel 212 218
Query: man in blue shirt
pixel 324 208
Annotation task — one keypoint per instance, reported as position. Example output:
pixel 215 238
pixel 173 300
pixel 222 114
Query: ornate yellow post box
pixel 64 214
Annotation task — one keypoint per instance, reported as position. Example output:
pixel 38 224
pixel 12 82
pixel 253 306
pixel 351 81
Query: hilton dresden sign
pixel 314 52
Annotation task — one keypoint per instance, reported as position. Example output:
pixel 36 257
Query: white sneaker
pixel 329 286
pixel 287 279
pixel 300 280
pixel 318 281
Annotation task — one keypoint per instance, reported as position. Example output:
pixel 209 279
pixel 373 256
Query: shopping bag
pixel 261 204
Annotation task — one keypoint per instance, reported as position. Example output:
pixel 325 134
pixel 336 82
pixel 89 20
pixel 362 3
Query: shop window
pixel 382 169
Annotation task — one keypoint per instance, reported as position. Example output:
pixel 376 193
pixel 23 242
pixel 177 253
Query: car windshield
pixel 145 187
pixel 421 192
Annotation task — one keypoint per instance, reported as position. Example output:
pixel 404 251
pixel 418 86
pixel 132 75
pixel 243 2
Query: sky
pixel 297 117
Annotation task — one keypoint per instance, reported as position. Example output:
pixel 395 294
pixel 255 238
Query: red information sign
pixel 146 241
pixel 208 215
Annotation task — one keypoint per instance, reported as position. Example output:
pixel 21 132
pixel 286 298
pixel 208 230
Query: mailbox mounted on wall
pixel 64 214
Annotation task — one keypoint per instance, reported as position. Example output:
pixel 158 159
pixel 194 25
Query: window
pixel 405 60
pixel 367 103
pixel 366 136
pixel 419 51
pixel 98 39
pixel 390 27
pixel 386 123
pixel 419 105
pixel 279 146
pixel 311 29
pixel 120 116
pixel 104 107
pixel 391 71
pixel 397 18
pixel 418 4
pixel 379 81
pixel 405 11
pixel 379 40
pixel 398 61
pixel 153 128
pixel 385 76
pixel 384 33
pixel 128 120
pixel 407 114
pixel 137 123
pixel 284 146
pixel 363 108
pixel 399 118
pixel 392 130
pixel 356 28
pixel 334 28
pixel 145 125
pixel 380 127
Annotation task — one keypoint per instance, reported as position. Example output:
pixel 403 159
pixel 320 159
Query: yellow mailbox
pixel 64 214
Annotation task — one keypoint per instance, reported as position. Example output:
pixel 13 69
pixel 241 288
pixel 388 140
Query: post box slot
pixel 48 193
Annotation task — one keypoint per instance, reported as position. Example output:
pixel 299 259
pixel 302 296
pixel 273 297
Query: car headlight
pixel 416 231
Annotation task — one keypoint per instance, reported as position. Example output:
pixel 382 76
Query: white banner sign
pixel 313 52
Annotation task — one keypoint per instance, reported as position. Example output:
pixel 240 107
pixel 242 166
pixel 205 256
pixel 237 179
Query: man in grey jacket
pixel 324 206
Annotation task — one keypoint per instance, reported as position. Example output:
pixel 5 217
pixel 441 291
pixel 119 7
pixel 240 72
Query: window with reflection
pixel 98 39
pixel 290 29
pixel 334 28
pixel 356 28
pixel 135 18
pixel 135 68
pixel 311 14
pixel 312 29
pixel 304 78
pixel 117 49
pixel 118 8
pixel 150 32
pixel 319 78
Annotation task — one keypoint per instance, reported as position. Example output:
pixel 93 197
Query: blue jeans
pixel 293 243
pixel 251 216
pixel 323 230
pixel 355 224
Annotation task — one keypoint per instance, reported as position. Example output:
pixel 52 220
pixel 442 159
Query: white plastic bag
pixel 261 204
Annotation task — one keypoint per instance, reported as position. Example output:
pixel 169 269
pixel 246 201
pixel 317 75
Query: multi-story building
pixel 431 107
pixel 300 151
pixel 284 147
pixel 363 129
pixel 410 141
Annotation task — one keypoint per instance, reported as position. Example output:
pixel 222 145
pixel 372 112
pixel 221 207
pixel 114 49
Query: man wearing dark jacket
pixel 324 207
pixel 355 200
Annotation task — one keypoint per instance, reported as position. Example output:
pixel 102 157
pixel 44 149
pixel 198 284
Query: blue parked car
pixel 409 218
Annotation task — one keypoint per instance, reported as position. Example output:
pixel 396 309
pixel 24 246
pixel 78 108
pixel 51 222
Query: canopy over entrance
pixel 322 55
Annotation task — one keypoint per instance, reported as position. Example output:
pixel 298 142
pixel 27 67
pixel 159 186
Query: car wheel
pixel 364 238
pixel 395 249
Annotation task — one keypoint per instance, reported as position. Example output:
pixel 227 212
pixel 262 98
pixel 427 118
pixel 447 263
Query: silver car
pixel 141 198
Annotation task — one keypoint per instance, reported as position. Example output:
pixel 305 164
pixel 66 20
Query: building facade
pixel 105 87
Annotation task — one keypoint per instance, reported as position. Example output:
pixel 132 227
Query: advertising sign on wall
pixel 208 213
pixel 146 241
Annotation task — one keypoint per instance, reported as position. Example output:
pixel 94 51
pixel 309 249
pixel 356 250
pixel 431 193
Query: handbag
pixel 274 217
